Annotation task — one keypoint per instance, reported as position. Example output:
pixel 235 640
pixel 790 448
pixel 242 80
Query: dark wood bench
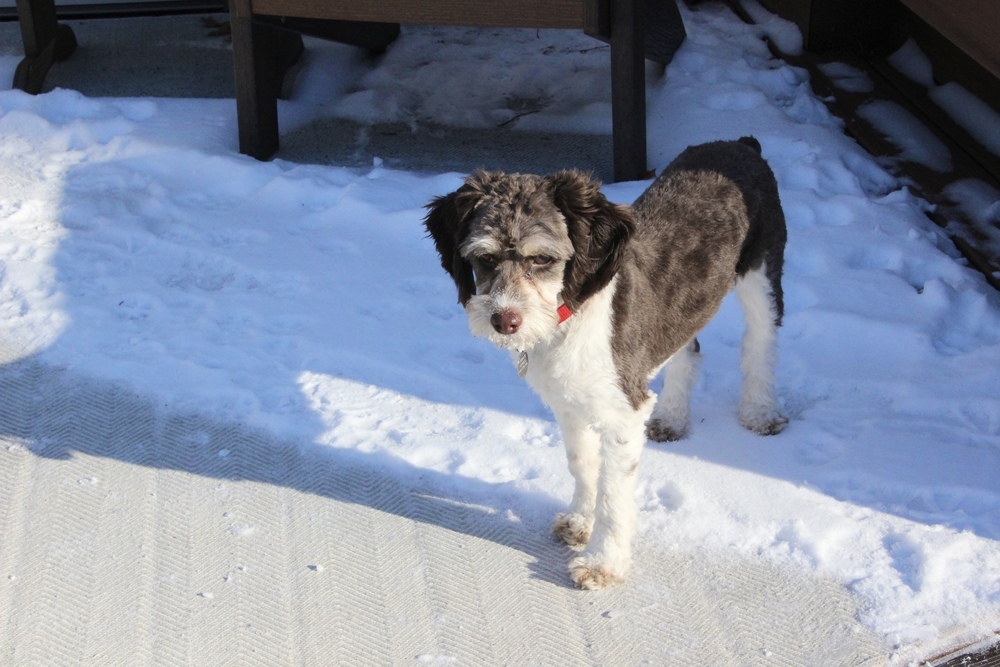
pixel 266 39
pixel 46 41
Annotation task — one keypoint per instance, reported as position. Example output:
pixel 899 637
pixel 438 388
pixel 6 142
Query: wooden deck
pixel 971 25
pixel 989 657
pixel 956 36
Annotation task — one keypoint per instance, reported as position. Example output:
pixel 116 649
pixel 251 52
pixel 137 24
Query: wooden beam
pixel 373 37
pixel 486 13
pixel 45 42
pixel 628 90
pixel 597 19
pixel 971 25
pixel 256 87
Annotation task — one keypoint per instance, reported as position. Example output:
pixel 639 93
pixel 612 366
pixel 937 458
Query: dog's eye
pixel 542 260
pixel 488 261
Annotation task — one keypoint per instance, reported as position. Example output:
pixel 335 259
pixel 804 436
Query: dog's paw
pixel 660 430
pixel 572 529
pixel 589 573
pixel 763 422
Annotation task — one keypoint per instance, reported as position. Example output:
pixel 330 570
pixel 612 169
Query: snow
pixel 518 84
pixel 138 246
pixel 785 35
pixel 974 115
pixel 981 202
pixel 846 77
pixel 914 141
pixel 971 113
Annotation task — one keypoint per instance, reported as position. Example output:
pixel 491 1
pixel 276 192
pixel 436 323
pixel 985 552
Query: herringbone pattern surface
pixel 131 535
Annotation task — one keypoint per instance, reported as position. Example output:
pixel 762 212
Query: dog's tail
pixel 751 142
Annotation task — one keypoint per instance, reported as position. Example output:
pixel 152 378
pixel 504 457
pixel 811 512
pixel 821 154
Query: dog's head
pixel 517 245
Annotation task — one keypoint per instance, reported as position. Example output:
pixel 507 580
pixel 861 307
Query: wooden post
pixel 45 42
pixel 628 90
pixel 256 82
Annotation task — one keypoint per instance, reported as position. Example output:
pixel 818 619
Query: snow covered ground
pixel 138 246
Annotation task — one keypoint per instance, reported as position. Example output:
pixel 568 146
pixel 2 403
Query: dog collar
pixel 522 356
pixel 564 313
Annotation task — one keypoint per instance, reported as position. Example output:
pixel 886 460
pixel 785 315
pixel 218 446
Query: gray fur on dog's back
pixel 711 216
pixel 741 162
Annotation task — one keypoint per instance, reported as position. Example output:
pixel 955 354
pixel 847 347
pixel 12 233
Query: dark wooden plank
pixel 597 19
pixel 38 24
pixel 373 37
pixel 969 24
pixel 256 87
pixel 989 657
pixel 129 9
pixel 663 28
pixel 485 13
pixel 937 118
pixel 950 62
pixel 45 42
pixel 628 90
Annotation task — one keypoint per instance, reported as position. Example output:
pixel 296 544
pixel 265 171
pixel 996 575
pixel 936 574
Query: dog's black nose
pixel 506 321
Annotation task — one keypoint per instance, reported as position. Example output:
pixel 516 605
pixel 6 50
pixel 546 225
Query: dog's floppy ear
pixel 598 229
pixel 447 222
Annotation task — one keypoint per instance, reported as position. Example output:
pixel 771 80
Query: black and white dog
pixel 592 299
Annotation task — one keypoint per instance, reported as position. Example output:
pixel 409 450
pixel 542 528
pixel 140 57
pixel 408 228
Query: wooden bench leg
pixel 628 90
pixel 264 48
pixel 261 54
pixel 45 42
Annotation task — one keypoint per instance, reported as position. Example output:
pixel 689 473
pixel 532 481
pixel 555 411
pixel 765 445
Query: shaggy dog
pixel 592 299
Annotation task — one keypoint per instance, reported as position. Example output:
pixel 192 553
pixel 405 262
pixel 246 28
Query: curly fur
pixel 642 281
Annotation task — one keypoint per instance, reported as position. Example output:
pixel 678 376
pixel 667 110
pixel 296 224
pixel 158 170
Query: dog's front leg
pixel 583 447
pixel 607 558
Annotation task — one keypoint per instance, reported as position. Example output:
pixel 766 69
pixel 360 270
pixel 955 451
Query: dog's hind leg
pixel 673 406
pixel 759 409
pixel 583 453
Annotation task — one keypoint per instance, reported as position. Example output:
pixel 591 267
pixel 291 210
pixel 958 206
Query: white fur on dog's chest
pixel 575 370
